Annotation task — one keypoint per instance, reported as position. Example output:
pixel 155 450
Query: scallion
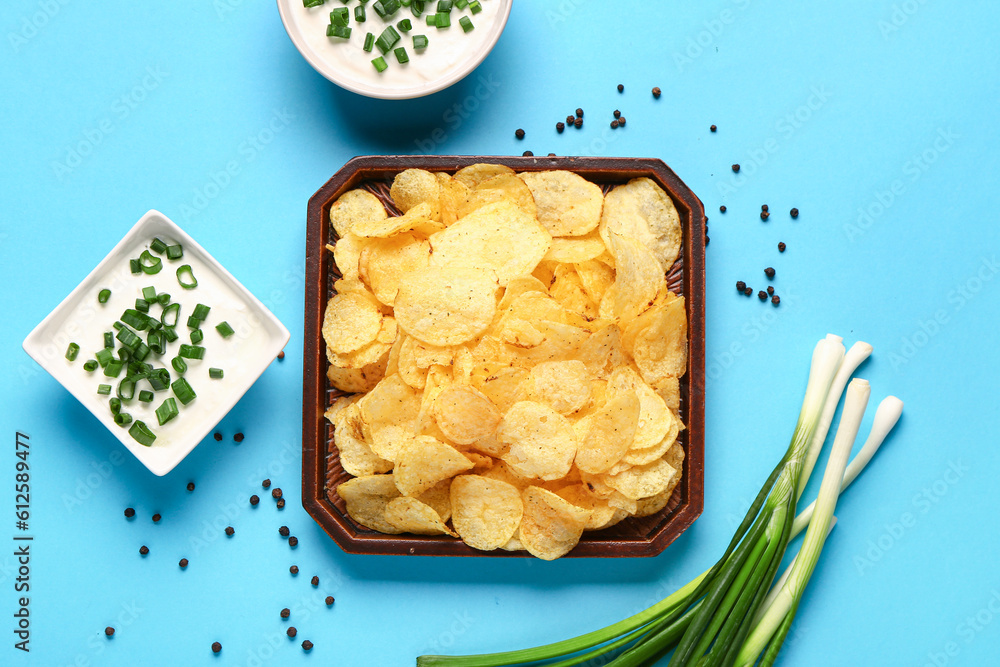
pixel 359 14
pixel 140 352
pixel 419 42
pixel 338 31
pixel 379 64
pixel 156 342
pixel 72 350
pixel 190 282
pixel 442 20
pixel 175 251
pixel 369 42
pixel 417 8
pixel 169 334
pixel 115 404
pixel 404 25
pixel 201 311
pixel 223 327
pixel 461 4
pixel 215 373
pixel 114 368
pixel 312 3
pixel 386 41
pixel 134 266
pixel 170 315
pixel 139 431
pixel 402 57
pixel 445 6
pixel 166 411
pixel 103 296
pixel 466 24
pixel 157 246
pixel 123 419
pixel 126 389
pixel 90 365
pixel 341 16
pixel 105 356
pixel 142 305
pixel 145 396
pixel 197 335
pixel 183 391
pixel 104 389
pixel 192 351
pixel 475 7
pixel 179 364
pixel 150 265
pixel 385 8
pixel 149 293
pixel 431 19
pixel 193 322
pixel 159 379
pixel 135 319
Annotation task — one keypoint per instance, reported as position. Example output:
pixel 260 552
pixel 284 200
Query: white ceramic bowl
pixel 450 55
pixel 243 356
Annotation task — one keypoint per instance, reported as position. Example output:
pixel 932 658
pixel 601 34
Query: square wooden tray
pixel 321 471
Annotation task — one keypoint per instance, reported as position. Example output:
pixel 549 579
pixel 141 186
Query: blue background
pixel 844 110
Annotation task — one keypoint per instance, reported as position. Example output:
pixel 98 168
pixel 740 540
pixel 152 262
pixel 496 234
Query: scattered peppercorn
pixel 616 113
pixel 156 518
pixel 280 504
pixel 722 209
pixel 230 531
pixel 578 123
pixel 748 291
pixel 218 437
pixel 579 113
pixel 764 215
pixel 551 155
pixel 183 562
pixel 291 631
pixel 276 492
pixel 329 600
pixel 713 128
pixel 656 92
pixel 314 581
pixel 570 119
pixel 293 542
pixel 770 289
pixel 281 355
pixel 144 550
pixel 254 499
pixel 283 531
pixel 266 483
pixel 190 486
pixel 794 213
pixel 775 299
pixel 706 240
pixel 769 272
pixel 740 285
pixel 621 88
pixel 621 121
pixel 614 125
pixel 307 645
pixel 527 153
pixel 129 512
pixel 560 126
pixel 763 207
pixel 109 631
pixel 519 133
pixel 736 168
pixel 238 437
pixel 762 295
pixel 286 612
pixel 216 647
pixel 781 246
pixel 294 569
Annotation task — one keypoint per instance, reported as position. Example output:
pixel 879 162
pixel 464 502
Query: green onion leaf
pixel 142 305
pixel 386 41
pixel 385 8
pixel 369 42
pixel 215 373
pixel 155 341
pixel 197 335
pixel 401 55
pixel 341 16
pixel 140 352
pixel 139 431
pixel 134 266
pixel 190 282
pixel 104 295
pixel 417 8
pixel 126 389
pixel 338 31
pixel 90 365
pixel 74 350
pixel 461 4
pixel 445 6
pixel 170 312
pixel 404 25
pixel 419 42
pixel 128 338
pixel 183 391
pixel 114 368
pixel 149 293
pixel 159 379
pixel 192 351
pixel 169 334
pixel 442 20
pixel 145 396
pixel 109 339
pixel 179 364
pixel 431 19
pixel 149 264
pixel 125 354
pixel 223 327
pixel 475 7
pixel 466 24
pixel 312 3
pixel 135 319
pixel 379 64
pixel 123 419
pixel 115 404
pixel 105 356
pixel 175 252
pixel 158 246
pixel 166 411
pixel 201 311
pixel 104 389
pixel 359 14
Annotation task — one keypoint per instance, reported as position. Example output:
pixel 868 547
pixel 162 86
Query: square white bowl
pixel 81 319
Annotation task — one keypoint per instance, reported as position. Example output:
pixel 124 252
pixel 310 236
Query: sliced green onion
pixel 431 19
pixel 404 25
pixel 475 7
pixel 163 298
pixel 405 3
pixel 139 431
pixel 444 6
pixel 175 251
pixel 159 379
pixel 169 334
pixel 417 8
pixel 125 354
pixel 145 396
pixel 149 293
pixel 369 42
pixel 359 14
pixel 123 419
pixel 379 64
pixel 90 365
pixel 197 335
pixel 179 364
pixel 461 4
pixel 166 411
pixel 134 266
pixel 183 391
pixel 104 389
pixel 338 31
pixel 170 312
pixel 442 20
pixel 223 327
pixel 312 3
pixel 150 265
pixel 114 368
pixel 140 352
pixel 386 41
pixel 341 16
pixel 74 350
pixel 104 295
pixel 192 351
pixel 126 389
pixel 105 356
pixel 186 271
pixel 201 311
pixel 115 404
pixel 158 246
pixel 109 339
pixel 155 341
pixel 193 322
pixel 401 56
pixel 419 42
pixel 385 8
pixel 215 373
pixel 142 305
pixel 466 24
pixel 135 319
pixel 128 338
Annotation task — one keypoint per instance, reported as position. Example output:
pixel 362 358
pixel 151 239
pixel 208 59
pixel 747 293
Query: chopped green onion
pixel 442 20
pixel 369 42
pixel 74 350
pixel 126 389
pixel 149 293
pixel 445 6
pixel 169 334
pixel 171 312
pixel 115 404
pixel 338 31
pixel 461 4
pixel 175 252
pixel 186 270
pixel 145 396
pixel 155 341
pixel 114 368
pixel 194 322
pixel 140 352
pixel 223 327
pixel 386 41
pixel 405 3
pixel 157 246
pixel 359 14
pixel 135 319
pixel 183 391
pixel 149 264
pixel 431 19
pixel 159 379
pixel 215 373
pixel 105 356
pixel 419 42
pixel 166 411
pixel 118 325
pixel 192 351
pixel 197 335
pixel 128 338
pixel 109 339
pixel 385 8
pixel 466 24
pixel 104 295
pixel 401 56
pixel 139 431
pixel 201 311
pixel 404 25
pixel 475 7
pixel 125 354
pixel 123 418
pixel 142 305
pixel 104 389
pixel 179 364
pixel 163 298
pixel 417 8
pixel 379 64
pixel 340 16
pixel 134 266
pixel 312 3
pixel 90 365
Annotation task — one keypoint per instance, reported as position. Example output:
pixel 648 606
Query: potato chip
pixel 518 286
pixel 643 455
pixel 480 462
pixel 638 276
pixel 366 499
pixel 568 291
pixel 562 385
pixel 413 187
pixel 353 207
pixel 600 512
pixel 675 455
pixel 475 174
pixel 571 250
pixel 595 277
pixel 452 197
pixel 366 356
pixel 513 544
pixel 388 262
pixel 642 481
pixel 358 379
pixel 602 352
pixel 620 502
pixel 503 472
pixel 461 368
pixel 500 384
pixel 437 380
pixel 541 441
pixel 356 457
pixel 641 210
pixel 610 433
pixel 485 512
pixel 653 504
pixel 669 389
pixel 561 341
pixel 500 188
pixel 351 322
pixel 409 515
pixel 660 350
pixel 498 236
pixel 519 333
pixel 567 204
pixel 418 219
pixel 438 498
pixel 388 415
pixel 464 414
pixel 655 419
pixel 545 272
pixel 446 306
pixel 347 255
pixel 551 526
pixel 424 461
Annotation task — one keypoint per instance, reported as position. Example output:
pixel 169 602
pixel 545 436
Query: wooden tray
pixel 321 471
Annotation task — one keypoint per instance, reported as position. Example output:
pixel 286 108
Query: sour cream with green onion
pixel 449 52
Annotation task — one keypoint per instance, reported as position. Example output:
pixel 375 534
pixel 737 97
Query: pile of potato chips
pixel 513 354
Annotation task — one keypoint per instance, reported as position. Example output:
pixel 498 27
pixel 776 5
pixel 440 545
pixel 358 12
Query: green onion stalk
pixel 707 621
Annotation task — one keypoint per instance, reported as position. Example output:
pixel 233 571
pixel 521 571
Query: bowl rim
pixel 329 72
pixel 362 168
pixel 149 225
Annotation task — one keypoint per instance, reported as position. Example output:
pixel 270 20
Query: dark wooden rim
pixel 319 263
